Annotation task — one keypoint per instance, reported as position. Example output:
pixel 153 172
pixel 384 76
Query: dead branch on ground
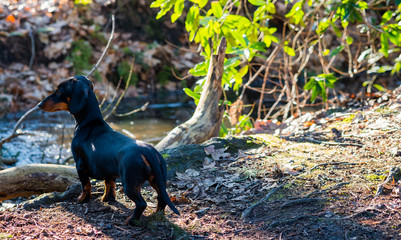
pixel 392 176
pixel 300 201
pixel 245 214
pixel 337 186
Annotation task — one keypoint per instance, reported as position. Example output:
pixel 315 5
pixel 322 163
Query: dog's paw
pixel 134 222
pixel 84 198
pixel 108 198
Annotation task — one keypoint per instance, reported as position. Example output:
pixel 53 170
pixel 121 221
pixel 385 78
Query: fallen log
pixel 33 179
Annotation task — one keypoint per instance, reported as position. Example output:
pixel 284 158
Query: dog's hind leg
pixel 109 190
pixel 134 193
pixel 161 204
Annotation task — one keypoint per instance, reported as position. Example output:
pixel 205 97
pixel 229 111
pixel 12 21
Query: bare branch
pixel 16 126
pixel 105 49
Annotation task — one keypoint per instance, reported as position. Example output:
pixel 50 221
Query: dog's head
pixel 70 95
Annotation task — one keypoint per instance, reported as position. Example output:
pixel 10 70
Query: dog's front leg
pixel 86 189
pixel 109 191
pixel 86 185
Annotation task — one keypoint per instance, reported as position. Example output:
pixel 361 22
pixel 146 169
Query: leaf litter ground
pixel 322 177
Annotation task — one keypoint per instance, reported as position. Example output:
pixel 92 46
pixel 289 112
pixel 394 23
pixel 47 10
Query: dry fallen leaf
pixel 217 154
pixel 10 18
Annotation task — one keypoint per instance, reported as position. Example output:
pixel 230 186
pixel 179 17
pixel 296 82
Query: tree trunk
pixel 35 179
pixel 206 121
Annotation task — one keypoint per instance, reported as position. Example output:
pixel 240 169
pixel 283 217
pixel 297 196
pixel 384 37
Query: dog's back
pixel 102 153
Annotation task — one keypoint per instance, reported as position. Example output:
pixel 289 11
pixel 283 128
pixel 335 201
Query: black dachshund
pixel 102 153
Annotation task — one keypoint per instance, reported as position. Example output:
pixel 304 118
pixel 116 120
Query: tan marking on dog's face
pixel 50 106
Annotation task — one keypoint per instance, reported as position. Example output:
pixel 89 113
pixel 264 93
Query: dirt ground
pixel 316 179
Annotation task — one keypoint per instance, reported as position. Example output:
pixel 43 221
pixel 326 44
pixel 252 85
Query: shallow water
pixel 48 135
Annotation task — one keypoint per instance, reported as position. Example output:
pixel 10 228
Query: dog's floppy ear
pixel 78 98
pixel 85 80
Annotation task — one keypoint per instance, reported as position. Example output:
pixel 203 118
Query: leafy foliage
pixel 262 39
pixel 80 56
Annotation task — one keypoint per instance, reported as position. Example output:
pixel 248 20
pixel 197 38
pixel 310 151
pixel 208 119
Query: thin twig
pixel 300 201
pixel 331 163
pixel 123 93
pixel 248 211
pixel 334 143
pixel 105 49
pixel 291 220
pixel 32 48
pixel 16 126
pixel 114 97
pixel 327 190
pixel 143 108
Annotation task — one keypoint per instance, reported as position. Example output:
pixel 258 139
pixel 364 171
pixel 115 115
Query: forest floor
pixel 313 177
pixel 317 178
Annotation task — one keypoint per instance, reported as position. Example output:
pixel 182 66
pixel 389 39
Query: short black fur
pixel 102 153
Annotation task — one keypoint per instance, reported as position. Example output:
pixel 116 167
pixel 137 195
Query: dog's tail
pixel 159 169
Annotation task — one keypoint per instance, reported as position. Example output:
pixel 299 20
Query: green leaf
pixel 384 43
pixel 267 40
pixel 165 6
pixel 258 46
pixel 178 8
pixel 350 40
pixel 271 8
pixel 232 62
pixel 238 36
pixel 296 13
pixel 310 84
pixel 260 14
pixel 200 69
pixel 396 68
pixel 386 17
pixel 241 73
pixel 192 94
pixel 363 5
pixel 344 23
pixel 380 87
pixel 322 90
pixel 217 10
pixel 365 83
pixel 322 26
pixel 202 3
pixel 83 2
pixel 289 50
pixel 330 78
pixel 223 130
pixel 257 2
pixel 336 51
pixel 315 92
